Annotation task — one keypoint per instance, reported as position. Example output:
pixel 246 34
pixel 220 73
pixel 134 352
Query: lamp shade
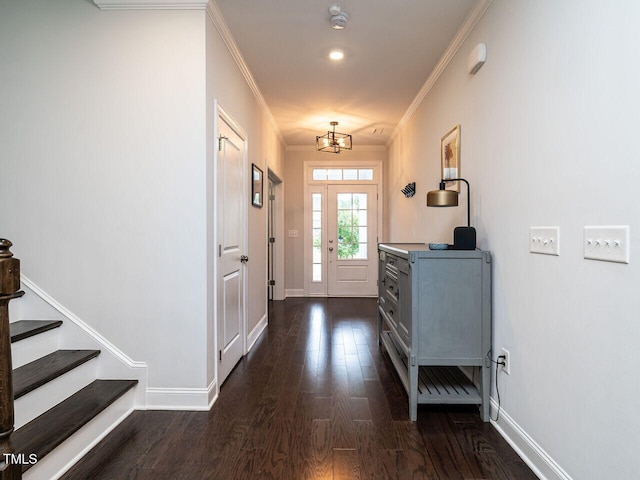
pixel 442 198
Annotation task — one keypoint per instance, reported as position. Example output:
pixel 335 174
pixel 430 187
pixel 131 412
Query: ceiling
pixel 390 47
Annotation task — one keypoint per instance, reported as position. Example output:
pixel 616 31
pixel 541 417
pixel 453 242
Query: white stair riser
pixel 32 348
pixel 15 310
pixel 50 394
pixel 54 465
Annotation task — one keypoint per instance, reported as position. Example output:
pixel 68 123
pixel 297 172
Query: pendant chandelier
pixel 333 141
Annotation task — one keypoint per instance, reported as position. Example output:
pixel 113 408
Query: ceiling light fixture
pixel 333 141
pixel 339 18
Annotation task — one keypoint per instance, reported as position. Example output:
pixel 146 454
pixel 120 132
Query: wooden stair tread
pixel 28 328
pixel 35 374
pixel 46 432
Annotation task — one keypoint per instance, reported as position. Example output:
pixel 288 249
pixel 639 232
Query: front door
pixel 231 234
pixel 351 249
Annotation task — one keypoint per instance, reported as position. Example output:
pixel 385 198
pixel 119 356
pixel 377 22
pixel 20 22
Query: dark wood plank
pixel 315 398
pixel 346 464
pixel 46 432
pixel 28 328
pixel 35 374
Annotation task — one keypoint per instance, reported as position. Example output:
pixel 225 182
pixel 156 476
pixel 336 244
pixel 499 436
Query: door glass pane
pixel 342 174
pixel 334 174
pixel 350 174
pixel 344 201
pixel 352 235
pixel 316 261
pixel 317 272
pixel 365 174
pixel 362 218
pixel 319 173
pixel 360 201
pixel 360 253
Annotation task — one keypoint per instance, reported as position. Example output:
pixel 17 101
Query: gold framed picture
pixel 256 186
pixel 450 157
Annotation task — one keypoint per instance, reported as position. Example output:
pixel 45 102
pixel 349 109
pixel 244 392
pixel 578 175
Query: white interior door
pixel 351 248
pixel 231 235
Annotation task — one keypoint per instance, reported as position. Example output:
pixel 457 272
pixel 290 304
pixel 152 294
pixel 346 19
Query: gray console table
pixel 434 320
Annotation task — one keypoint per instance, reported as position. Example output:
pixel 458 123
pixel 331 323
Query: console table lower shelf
pixel 436 384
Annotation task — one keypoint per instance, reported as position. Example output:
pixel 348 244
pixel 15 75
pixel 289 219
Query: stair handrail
pixel 9 289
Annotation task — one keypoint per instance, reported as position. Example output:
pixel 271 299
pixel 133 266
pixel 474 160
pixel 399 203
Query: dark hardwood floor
pixel 316 398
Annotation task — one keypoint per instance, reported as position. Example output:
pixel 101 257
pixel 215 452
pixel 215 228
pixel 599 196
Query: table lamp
pixel 464 238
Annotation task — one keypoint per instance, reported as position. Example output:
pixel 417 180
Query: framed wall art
pixel 256 186
pixel 450 157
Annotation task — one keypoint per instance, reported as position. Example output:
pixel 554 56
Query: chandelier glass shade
pixel 333 142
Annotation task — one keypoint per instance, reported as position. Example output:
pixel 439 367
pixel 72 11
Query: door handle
pixel 244 258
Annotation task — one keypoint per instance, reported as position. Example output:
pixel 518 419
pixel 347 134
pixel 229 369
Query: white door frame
pixel 278 231
pixel 310 186
pixel 222 113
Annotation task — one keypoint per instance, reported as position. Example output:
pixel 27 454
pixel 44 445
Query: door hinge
pixel 220 139
pixel 272 240
pixel 220 355
pixel 272 282
pixel 219 250
pixel 272 197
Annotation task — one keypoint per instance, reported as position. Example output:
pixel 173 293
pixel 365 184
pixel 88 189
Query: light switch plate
pixel 293 233
pixel 610 244
pixel 545 240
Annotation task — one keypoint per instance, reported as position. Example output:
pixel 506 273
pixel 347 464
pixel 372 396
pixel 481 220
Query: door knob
pixel 244 258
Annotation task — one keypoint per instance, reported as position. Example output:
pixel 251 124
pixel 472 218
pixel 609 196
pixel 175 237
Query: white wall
pixel 107 147
pixel 102 162
pixel 227 85
pixel 547 139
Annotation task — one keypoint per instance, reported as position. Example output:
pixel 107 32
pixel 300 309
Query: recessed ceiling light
pixel 336 55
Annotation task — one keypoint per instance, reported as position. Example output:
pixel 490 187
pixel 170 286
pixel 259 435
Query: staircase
pixel 61 408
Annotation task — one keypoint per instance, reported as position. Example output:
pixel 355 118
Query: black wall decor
pixel 410 190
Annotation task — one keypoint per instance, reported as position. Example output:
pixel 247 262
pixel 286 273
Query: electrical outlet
pixel 506 368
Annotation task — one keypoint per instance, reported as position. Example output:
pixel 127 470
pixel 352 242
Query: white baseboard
pixel 253 336
pixel 294 292
pixel 193 399
pixel 533 455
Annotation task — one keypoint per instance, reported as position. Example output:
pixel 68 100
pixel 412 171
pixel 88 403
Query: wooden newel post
pixel 9 289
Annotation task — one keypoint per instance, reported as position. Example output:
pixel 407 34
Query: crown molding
pixel 467 27
pixel 151 4
pixel 214 13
